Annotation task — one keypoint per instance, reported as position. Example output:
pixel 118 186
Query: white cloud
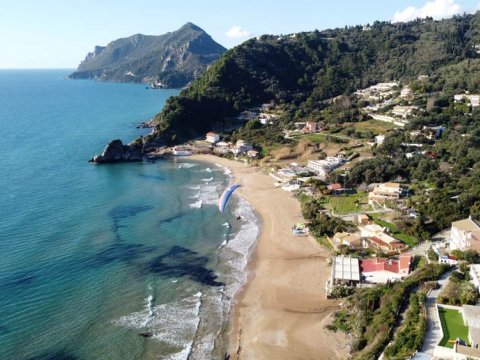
pixel 236 32
pixel 437 9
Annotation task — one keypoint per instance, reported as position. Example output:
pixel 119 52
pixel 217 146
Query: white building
pixel 403 111
pixel 241 147
pixel 472 99
pixel 222 147
pixel 475 275
pixel 406 92
pixel 323 167
pixel 345 271
pixel 212 137
pixel 465 235
pixel 379 139
pixel 384 192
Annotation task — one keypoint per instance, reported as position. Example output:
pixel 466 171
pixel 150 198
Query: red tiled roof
pixel 381 264
pixel 405 261
pixel 335 186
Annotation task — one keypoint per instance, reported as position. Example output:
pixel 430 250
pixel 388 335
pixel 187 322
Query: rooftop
pixel 346 268
pixel 466 225
pixel 471 312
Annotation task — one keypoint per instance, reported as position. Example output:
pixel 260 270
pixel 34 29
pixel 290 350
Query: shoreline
pixel 281 310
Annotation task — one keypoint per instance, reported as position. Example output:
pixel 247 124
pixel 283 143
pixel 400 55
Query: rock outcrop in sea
pixel 116 152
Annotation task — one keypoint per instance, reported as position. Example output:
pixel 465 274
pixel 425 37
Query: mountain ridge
pixel 302 70
pixel 173 59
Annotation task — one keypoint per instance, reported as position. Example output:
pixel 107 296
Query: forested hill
pixel 301 70
pixel 174 59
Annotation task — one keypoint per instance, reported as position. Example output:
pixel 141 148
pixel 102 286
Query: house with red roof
pixel 381 270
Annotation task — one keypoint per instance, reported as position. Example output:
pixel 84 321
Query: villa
pixel 381 270
pixel 384 192
pixel 465 235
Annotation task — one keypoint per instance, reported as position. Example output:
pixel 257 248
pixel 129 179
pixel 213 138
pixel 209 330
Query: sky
pixel 59 33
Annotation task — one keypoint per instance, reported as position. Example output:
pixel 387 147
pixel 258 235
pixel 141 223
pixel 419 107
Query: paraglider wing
pixel 226 195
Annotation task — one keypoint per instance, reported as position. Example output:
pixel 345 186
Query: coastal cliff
pixel 171 60
pixel 116 152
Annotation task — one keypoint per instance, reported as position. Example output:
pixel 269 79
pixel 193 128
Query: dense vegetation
pixel 373 312
pixel 319 223
pixel 459 290
pixel 410 337
pixel 300 71
pixel 174 59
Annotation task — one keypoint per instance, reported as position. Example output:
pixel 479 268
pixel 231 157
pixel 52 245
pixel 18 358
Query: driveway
pixel 434 331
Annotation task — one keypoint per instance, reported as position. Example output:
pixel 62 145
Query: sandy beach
pixel 282 311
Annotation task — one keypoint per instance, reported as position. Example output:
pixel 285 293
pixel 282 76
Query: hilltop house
pixel 403 111
pixel 384 192
pixel 310 127
pixel 212 137
pixel 465 235
pixel 381 270
pixel 406 92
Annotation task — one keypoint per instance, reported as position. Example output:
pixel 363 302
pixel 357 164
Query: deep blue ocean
pixel 91 256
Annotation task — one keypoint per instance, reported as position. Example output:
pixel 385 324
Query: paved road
pixel 434 332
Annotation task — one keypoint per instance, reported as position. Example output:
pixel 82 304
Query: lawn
pixel 394 231
pixel 346 204
pixel 372 126
pixel 453 326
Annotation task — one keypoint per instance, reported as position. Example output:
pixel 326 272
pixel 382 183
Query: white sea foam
pixel 174 324
pixel 194 187
pixel 216 302
pixel 208 179
pixel 186 165
pixel 238 249
pixel 226 170
pixel 196 204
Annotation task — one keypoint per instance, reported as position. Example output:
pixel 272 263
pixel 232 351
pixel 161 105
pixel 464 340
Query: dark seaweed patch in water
pixel 153 177
pixel 125 211
pixel 17 280
pixel 57 355
pixel 120 213
pixel 169 219
pixel 120 252
pixel 180 262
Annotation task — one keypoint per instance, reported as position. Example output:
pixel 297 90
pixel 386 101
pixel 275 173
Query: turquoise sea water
pixel 92 256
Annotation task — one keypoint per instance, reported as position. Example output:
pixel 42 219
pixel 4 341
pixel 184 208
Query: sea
pixel 124 261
